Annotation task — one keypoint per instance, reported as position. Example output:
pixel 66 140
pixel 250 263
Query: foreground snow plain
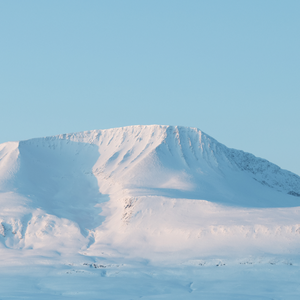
pixel 264 278
pixel 145 212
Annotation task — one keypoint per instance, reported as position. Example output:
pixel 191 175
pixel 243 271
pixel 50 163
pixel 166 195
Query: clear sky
pixel 230 68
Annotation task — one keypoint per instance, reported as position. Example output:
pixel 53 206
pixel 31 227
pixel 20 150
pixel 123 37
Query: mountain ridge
pixel 191 147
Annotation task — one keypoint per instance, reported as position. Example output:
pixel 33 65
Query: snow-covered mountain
pixel 143 191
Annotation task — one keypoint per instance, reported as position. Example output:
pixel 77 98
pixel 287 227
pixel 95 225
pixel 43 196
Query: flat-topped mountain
pixel 159 187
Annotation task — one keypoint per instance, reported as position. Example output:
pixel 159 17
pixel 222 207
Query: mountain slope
pixel 158 188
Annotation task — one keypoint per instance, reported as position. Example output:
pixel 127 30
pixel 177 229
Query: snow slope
pixel 160 194
pixel 169 187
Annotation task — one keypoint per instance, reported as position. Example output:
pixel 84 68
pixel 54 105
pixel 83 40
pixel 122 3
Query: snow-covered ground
pixel 151 212
pixel 260 278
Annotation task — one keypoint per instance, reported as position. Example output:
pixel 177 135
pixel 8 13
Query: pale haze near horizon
pixel 230 69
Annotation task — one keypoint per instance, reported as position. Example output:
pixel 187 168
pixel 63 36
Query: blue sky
pixel 230 68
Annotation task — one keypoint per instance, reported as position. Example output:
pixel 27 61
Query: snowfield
pixel 145 212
